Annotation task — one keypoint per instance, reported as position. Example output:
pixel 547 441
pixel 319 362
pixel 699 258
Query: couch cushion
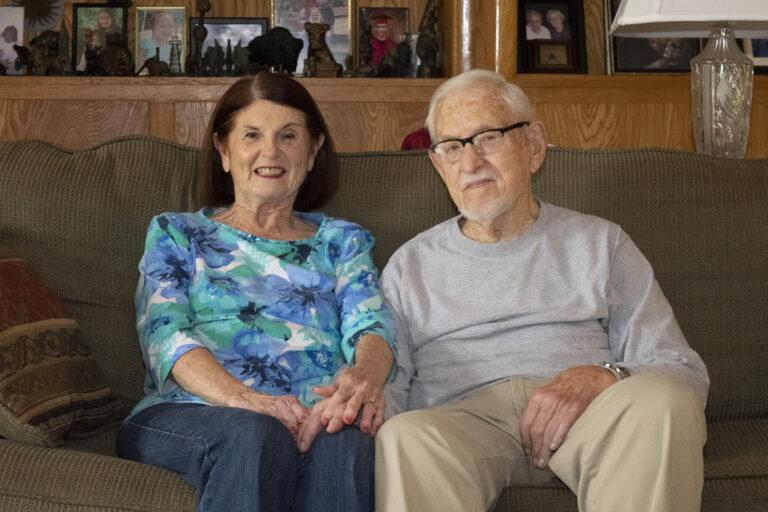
pixel 80 218
pixel 50 385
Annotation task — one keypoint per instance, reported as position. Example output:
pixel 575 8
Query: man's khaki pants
pixel 637 447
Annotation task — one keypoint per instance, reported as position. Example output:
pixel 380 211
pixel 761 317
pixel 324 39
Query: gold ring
pixel 372 400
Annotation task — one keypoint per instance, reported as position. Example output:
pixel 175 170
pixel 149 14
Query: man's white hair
pixel 518 102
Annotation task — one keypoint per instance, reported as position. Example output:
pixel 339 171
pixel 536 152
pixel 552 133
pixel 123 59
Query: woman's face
pixel 556 22
pixel 105 20
pixel 164 27
pixel 268 153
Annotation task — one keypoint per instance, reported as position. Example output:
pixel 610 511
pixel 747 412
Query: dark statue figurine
pixel 277 49
pixel 213 60
pixel 240 60
pixel 396 63
pixel 366 46
pixel 320 60
pixel 155 66
pixel 116 59
pixel 428 43
pixel 194 62
pixel 48 54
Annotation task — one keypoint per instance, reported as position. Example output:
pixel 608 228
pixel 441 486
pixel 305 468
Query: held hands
pixel 355 392
pixel 554 408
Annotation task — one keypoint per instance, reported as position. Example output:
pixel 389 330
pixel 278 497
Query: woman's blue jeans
pixel 243 461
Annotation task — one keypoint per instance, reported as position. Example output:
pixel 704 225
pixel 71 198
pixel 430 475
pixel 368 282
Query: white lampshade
pixel 690 18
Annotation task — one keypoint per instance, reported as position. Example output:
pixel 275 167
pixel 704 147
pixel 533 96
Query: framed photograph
pixel 292 14
pixel 11 33
pixel 387 27
pixel 757 50
pixel 653 55
pixel 553 37
pixel 91 23
pixel 155 28
pixel 235 30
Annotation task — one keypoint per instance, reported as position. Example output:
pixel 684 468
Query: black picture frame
pixel 647 55
pixel 246 29
pixel 551 37
pixel 89 31
pixel 757 50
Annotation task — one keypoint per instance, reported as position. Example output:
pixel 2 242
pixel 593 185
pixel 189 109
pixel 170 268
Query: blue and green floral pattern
pixel 281 316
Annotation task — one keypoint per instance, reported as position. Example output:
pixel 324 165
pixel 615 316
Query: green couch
pixel 80 217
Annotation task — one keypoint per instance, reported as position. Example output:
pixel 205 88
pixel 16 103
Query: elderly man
pixel 533 341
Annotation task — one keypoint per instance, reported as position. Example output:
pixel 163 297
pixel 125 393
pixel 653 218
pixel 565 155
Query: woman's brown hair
pixel 214 187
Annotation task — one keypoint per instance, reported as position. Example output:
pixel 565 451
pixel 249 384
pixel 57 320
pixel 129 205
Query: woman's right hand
pixel 285 408
pixel 198 372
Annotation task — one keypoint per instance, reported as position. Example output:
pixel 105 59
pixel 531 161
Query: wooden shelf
pixel 364 114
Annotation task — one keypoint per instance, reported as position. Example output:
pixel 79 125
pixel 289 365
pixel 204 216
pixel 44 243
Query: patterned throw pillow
pixel 50 385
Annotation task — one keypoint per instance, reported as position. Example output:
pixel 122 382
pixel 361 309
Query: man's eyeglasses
pixel 485 143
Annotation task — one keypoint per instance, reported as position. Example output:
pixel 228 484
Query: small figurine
pixel 228 59
pixel 175 64
pixel 155 66
pixel 320 60
pixel 48 54
pixel 277 48
pixel 427 45
pixel 213 61
pixel 240 59
pixel 116 58
pixel 194 64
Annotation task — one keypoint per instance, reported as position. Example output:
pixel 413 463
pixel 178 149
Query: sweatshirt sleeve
pixel 163 319
pixel 397 391
pixel 642 330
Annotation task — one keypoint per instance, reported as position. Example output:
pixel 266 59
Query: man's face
pixel 485 187
pixel 534 21
pixel 380 31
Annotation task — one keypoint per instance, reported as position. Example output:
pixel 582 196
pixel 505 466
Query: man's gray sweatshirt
pixel 572 290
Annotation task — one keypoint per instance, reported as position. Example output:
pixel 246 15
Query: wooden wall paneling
pixel 506 27
pixel 594 22
pixel 757 145
pixel 162 120
pixel 375 127
pixel 192 120
pixel 72 124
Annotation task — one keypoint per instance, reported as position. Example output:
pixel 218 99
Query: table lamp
pixel 721 75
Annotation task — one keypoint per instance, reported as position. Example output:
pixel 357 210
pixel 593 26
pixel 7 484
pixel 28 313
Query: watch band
pixel 618 371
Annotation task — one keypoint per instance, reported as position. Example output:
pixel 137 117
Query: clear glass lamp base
pixel 721 89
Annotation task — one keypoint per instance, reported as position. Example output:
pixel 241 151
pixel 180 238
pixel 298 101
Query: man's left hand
pixel 554 408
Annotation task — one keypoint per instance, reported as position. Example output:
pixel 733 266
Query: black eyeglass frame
pixel 468 140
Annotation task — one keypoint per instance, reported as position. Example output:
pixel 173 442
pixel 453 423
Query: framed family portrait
pixel 647 55
pixel 757 50
pixel 552 35
pixel 380 29
pixel 155 29
pixel 337 14
pixel 235 30
pixel 91 24
pixel 11 33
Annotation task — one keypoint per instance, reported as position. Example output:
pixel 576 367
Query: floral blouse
pixel 281 316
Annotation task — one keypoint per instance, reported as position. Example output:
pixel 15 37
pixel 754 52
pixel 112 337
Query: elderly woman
pixel 558 30
pixel 261 325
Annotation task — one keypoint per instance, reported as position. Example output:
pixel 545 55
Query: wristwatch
pixel 618 371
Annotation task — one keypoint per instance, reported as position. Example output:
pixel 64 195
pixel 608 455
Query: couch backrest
pixel 80 219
